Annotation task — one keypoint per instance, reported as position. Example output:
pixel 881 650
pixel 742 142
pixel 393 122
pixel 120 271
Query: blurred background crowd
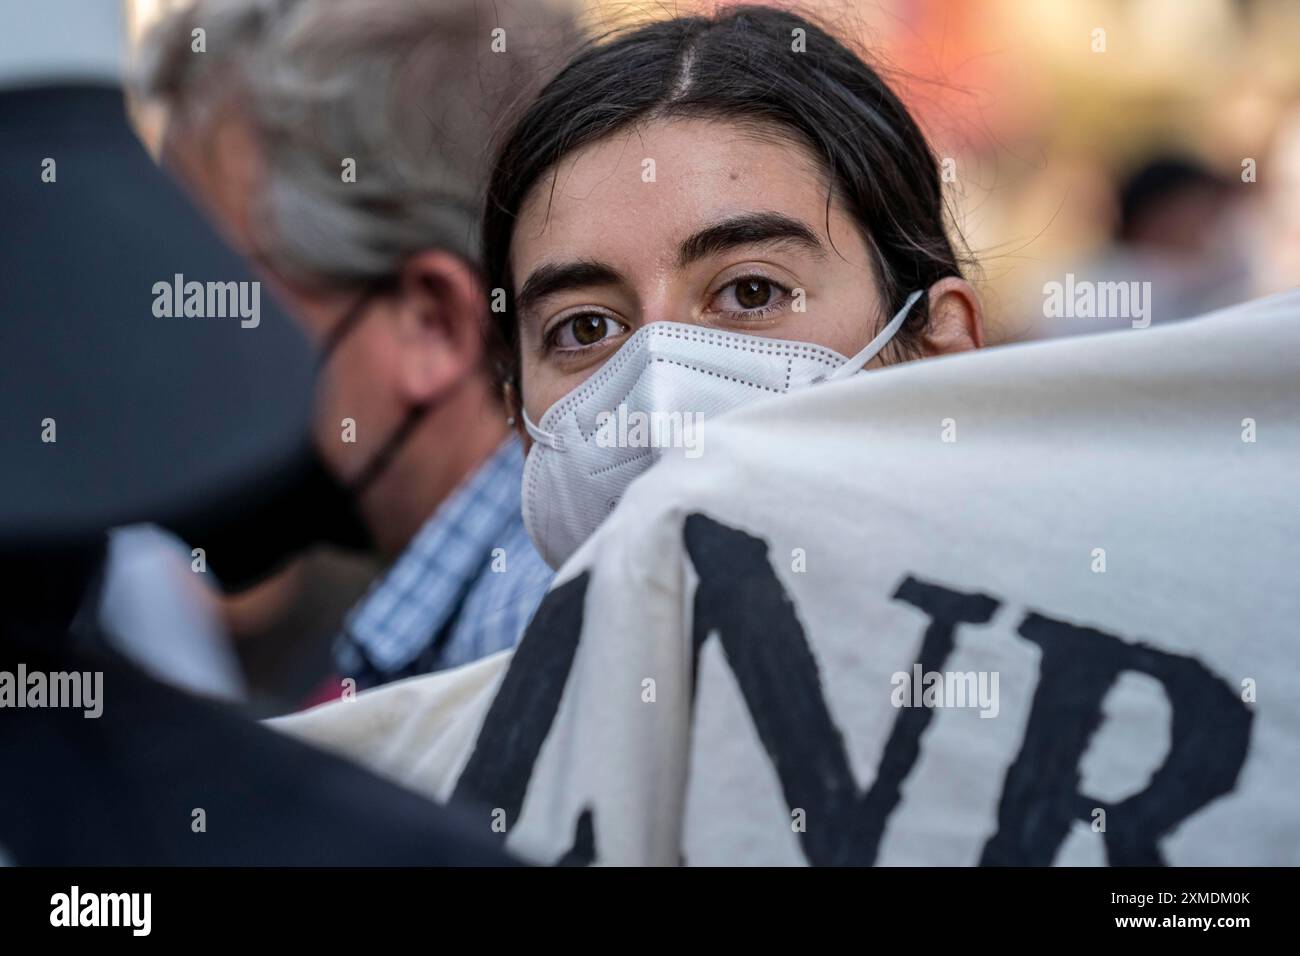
pixel 1173 135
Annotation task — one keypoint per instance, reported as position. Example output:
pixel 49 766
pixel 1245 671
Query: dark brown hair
pixel 744 65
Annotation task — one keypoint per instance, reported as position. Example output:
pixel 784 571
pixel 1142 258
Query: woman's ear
pixel 514 407
pixel 956 318
pixel 441 311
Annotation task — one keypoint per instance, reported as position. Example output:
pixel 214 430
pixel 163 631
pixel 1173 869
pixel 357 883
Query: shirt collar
pixel 423 589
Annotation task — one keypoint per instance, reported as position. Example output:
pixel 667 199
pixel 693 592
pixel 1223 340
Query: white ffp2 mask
pixel 650 399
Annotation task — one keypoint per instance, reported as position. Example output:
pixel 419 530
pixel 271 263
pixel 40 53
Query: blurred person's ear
pixel 956 318
pixel 440 316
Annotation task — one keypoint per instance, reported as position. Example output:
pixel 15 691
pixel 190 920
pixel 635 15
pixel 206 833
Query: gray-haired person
pixel 342 147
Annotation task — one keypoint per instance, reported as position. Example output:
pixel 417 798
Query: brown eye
pixel 753 293
pixel 749 296
pixel 583 331
pixel 589 329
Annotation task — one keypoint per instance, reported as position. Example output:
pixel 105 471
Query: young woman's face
pixel 725 228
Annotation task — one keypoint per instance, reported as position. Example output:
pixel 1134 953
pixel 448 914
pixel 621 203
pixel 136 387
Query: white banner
pixel 1034 605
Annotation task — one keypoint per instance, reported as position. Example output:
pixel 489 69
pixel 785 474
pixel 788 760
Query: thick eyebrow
pixel 561 276
pixel 747 229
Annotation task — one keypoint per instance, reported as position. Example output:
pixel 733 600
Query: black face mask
pixel 309 505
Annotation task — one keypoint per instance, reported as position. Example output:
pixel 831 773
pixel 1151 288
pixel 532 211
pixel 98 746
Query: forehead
pixel 636 193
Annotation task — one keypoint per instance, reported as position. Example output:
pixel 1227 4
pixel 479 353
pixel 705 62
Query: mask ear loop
pixel 554 442
pixel 351 319
pixel 874 347
pixel 393 444
pixel 388 451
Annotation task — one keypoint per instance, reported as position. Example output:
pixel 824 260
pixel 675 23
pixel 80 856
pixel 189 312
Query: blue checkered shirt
pixel 466 585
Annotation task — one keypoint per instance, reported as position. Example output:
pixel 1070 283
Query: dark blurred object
pixel 196 421
pixel 123 789
pixel 1179 248
pixel 1172 203
pixel 163 419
